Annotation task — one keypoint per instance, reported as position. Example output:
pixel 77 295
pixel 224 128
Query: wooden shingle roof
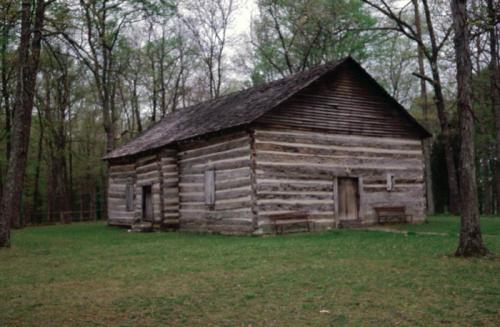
pixel 236 109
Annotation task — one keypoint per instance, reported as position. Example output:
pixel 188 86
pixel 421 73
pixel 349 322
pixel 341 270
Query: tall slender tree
pixel 471 243
pixel 32 21
pixel 492 22
pixel 425 113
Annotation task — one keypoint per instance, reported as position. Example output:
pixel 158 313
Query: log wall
pixel 230 157
pixel 119 176
pixel 147 173
pixel 297 170
pixel 169 184
pixel 157 170
pixel 344 102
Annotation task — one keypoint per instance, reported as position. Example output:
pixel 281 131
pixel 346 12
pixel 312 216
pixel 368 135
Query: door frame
pixel 143 202
pixel 336 196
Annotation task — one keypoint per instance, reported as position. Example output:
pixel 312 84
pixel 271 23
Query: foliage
pixel 290 36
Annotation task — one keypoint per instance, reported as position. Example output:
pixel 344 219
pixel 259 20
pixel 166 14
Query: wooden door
pixel 147 203
pixel 348 198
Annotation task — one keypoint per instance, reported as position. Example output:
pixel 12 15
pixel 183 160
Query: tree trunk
pixel 27 60
pixel 471 243
pixel 495 93
pixel 36 192
pixel 453 187
pixel 486 187
pixel 5 89
pixel 427 144
pixel 135 105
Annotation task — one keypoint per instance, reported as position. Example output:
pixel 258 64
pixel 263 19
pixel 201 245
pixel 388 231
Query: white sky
pixel 246 9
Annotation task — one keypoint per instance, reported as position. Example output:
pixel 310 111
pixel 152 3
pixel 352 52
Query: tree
pixel 57 78
pixel 27 64
pixel 425 113
pixel 208 22
pixel 8 19
pixel 291 36
pixel 470 243
pixel 492 20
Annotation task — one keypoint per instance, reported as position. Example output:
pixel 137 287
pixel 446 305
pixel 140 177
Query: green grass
pixel 93 275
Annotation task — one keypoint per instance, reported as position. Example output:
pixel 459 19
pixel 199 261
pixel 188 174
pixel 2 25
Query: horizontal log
pixel 323 170
pixel 214 156
pixel 299 202
pixel 169 169
pixel 292 148
pixel 220 215
pixel 147 181
pixel 321 138
pixel 143 161
pixel 148 175
pixel 295 207
pixel 147 167
pixel 226 195
pixel 293 196
pixel 338 161
pixel 219 185
pixel 174 174
pixel 196 150
pixel 334 122
pixel 221 165
pixel 304 147
pixel 397 189
pixel 293 187
pixel 350 130
pixel 408 195
pixel 187 177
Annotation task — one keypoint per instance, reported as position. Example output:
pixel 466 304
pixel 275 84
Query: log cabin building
pixel 329 143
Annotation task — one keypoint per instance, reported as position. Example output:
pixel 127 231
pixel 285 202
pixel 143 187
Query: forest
pixel 80 77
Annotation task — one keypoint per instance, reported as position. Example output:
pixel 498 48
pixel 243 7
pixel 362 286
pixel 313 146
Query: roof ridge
pixel 231 110
pixel 266 85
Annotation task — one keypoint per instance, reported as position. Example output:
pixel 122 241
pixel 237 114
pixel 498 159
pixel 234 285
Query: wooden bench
pixel 284 219
pixel 388 215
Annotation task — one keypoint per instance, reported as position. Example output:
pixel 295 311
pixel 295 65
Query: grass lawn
pixel 89 274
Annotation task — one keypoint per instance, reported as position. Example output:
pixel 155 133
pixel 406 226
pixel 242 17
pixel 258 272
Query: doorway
pixel 147 203
pixel 348 200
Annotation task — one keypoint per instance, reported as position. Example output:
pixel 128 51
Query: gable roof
pixel 232 110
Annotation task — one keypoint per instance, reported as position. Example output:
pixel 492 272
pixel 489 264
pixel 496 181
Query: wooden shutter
pixel 210 187
pixel 390 182
pixel 129 193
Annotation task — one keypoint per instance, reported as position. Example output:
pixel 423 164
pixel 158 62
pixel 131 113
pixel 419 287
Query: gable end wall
pixel 343 102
